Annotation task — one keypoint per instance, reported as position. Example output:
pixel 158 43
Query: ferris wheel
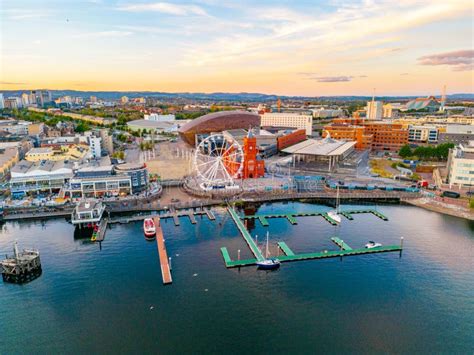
pixel 218 160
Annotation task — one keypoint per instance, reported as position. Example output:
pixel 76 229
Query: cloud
pixel 404 73
pixel 103 34
pixel 21 14
pixel 11 83
pixel 332 79
pixel 459 60
pixel 166 8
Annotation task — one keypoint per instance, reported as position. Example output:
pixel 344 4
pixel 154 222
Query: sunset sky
pixel 313 48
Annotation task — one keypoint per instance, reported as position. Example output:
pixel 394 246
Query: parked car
pixel 451 194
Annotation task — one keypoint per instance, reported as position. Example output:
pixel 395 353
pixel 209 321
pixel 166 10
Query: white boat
pixel 149 228
pixel 334 214
pixel 371 244
pixel 268 263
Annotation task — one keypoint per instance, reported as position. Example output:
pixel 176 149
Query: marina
pixel 86 290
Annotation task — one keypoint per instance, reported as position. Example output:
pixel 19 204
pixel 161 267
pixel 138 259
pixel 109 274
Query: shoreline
pixel 464 214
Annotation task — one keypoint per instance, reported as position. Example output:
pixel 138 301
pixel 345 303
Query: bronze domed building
pixel 218 122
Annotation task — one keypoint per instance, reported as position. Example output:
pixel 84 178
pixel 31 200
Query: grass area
pixel 379 167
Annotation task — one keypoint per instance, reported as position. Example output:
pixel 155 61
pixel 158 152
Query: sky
pixel 304 47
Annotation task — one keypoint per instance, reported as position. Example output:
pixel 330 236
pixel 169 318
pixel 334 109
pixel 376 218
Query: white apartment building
pixel 461 165
pixel 159 118
pixel 374 110
pixel 95 146
pixel 2 103
pixel 288 120
pixel 425 134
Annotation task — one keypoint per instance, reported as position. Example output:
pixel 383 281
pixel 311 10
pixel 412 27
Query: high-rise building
pixel 32 98
pixel 93 99
pixel 95 146
pixel 25 99
pixel 2 103
pixel 107 142
pixel 374 110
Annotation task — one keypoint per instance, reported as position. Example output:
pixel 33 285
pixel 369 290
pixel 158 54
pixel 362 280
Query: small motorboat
pixel 371 244
pixel 268 264
pixel 149 228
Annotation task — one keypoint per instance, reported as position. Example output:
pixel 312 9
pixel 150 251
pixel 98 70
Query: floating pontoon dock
pixel 288 254
pixel 291 217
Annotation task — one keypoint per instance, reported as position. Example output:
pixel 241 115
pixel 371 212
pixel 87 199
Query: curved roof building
pixel 218 122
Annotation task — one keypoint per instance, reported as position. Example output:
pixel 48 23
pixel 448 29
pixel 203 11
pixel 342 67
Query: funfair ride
pixel 218 162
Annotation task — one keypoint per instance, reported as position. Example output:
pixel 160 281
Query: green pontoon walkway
pixel 291 217
pixel 248 238
pixel 346 250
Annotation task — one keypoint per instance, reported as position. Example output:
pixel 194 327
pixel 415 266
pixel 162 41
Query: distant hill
pixel 222 96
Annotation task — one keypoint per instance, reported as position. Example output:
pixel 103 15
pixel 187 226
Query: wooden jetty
pixel 163 255
pixel 173 214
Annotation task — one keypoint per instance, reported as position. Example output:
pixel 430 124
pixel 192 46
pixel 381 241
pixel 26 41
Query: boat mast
pixel 266 250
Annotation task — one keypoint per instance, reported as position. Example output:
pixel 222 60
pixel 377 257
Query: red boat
pixel 149 228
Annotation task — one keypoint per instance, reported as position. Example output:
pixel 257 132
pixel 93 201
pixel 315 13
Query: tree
pixel 405 151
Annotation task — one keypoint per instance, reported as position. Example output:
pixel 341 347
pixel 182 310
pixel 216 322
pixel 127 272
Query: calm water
pixel 91 300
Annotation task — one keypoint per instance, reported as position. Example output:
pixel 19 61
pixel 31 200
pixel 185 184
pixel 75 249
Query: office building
pixel 461 165
pixel 123 100
pixel 457 134
pixel 2 102
pixel 287 120
pixel 423 134
pixel 374 110
pixel 375 135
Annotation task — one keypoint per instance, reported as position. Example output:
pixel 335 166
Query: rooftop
pixel 327 147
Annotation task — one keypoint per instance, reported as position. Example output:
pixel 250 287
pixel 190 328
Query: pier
pixel 163 255
pixel 288 254
pixel 173 214
pixel 291 217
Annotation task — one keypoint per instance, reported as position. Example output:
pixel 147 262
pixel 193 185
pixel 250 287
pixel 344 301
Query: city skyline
pixel 303 48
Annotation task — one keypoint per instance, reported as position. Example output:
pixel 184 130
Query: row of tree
pixel 439 152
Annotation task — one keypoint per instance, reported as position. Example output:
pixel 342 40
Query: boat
pixel 268 263
pixel 149 228
pixel 334 214
pixel 371 244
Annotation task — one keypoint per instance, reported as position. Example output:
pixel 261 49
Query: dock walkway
pixel 163 255
pixel 291 217
pixel 248 238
